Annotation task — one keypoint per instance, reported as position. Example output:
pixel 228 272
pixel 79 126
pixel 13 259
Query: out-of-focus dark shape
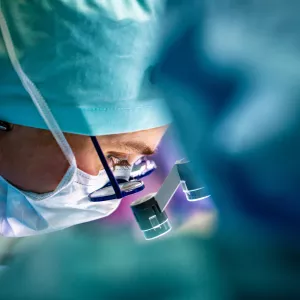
pixel 76 264
pixel 229 71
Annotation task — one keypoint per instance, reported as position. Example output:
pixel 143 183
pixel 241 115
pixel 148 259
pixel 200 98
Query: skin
pixel 31 159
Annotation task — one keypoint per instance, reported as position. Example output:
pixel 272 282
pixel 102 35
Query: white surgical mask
pixel 24 213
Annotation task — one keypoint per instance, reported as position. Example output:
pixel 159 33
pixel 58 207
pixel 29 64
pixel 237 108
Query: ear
pixel 5 126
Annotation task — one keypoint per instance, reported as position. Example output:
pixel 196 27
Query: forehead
pixel 141 142
pixel 149 133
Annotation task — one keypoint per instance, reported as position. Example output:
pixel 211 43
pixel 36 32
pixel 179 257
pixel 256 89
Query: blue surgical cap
pixel 90 60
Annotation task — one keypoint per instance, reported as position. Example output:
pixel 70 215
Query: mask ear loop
pixel 35 95
pixel 109 173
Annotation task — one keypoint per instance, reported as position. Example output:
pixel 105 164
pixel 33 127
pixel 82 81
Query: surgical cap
pixel 90 60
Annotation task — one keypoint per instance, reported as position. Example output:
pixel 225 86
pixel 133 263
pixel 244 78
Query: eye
pixel 115 161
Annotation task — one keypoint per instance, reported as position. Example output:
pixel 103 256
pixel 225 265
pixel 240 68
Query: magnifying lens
pixel 193 190
pixel 149 211
pixel 151 219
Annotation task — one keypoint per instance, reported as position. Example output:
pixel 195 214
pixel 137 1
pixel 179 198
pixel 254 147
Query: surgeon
pixel 71 70
pixel 255 251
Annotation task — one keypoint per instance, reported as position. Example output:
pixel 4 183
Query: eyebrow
pixel 139 147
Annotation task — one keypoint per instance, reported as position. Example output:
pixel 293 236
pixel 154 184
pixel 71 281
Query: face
pixel 31 159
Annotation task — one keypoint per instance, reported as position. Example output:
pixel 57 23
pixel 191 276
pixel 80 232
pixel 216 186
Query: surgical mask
pixel 24 213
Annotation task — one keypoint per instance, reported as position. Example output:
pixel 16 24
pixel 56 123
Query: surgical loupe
pixel 128 186
pixel 149 211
